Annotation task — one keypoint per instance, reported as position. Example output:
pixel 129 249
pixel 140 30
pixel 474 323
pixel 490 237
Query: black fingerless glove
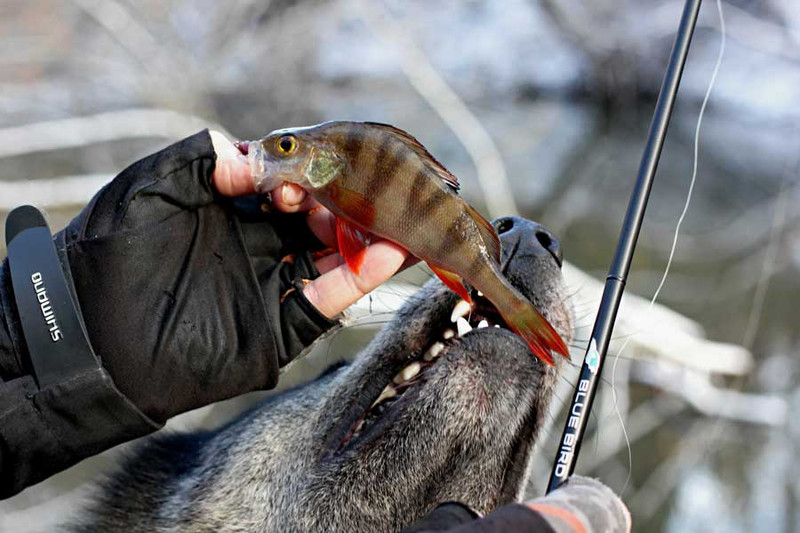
pixel 187 297
pixel 181 288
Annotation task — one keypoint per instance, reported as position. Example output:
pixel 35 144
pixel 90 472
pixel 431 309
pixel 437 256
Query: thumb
pixel 232 172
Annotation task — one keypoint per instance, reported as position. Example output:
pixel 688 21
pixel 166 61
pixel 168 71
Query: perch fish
pixel 379 180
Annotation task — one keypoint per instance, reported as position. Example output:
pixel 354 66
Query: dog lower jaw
pixel 464 317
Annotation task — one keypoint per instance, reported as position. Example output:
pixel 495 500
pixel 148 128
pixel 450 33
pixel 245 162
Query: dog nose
pixel 522 233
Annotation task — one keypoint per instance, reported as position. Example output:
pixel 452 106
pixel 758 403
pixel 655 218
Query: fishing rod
pixel 585 390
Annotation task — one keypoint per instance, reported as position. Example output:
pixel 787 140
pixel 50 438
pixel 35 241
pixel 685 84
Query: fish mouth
pixel 242 146
pixel 256 159
pixel 264 178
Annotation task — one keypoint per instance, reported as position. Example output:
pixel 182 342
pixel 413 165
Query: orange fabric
pixel 551 510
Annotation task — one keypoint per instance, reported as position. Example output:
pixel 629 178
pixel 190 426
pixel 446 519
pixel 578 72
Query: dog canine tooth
pixel 480 294
pixel 386 393
pixel 434 351
pixel 409 372
pixel 463 326
pixel 460 310
pixel 448 334
pixel 483 324
pixel 497 325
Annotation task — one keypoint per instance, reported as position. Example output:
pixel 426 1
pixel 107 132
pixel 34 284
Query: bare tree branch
pixel 450 107
pixel 712 401
pixel 85 131
pixel 51 193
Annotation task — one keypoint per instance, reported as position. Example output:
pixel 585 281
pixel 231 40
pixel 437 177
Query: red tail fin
pixel 526 321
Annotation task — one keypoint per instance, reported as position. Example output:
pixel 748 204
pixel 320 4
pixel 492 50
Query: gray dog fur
pixel 464 433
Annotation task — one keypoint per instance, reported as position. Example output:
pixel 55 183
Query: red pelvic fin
pixel 542 338
pixel 353 243
pixel 453 282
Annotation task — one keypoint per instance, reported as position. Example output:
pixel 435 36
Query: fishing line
pixel 675 236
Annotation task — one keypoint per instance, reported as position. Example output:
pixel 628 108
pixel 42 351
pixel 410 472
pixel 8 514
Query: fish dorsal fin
pixel 488 233
pixel 422 152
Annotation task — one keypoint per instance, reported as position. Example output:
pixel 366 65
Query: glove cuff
pixel 302 325
pixel 14 357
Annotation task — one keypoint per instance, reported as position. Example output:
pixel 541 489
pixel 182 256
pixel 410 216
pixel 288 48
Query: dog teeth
pixel 358 427
pixel 434 351
pixel 497 325
pixel 386 393
pixel 480 294
pixel 448 334
pixel 460 310
pixel 463 326
pixel 408 372
pixel 483 324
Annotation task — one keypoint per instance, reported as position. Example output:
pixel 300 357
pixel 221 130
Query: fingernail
pixel 292 195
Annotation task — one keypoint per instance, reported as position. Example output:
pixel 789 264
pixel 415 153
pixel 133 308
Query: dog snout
pixel 528 237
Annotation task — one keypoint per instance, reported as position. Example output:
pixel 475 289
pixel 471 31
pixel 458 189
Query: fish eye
pixel 287 144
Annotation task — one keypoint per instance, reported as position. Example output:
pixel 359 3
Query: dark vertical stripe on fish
pixel 385 167
pixel 429 198
pixel 421 179
pixel 413 184
pixel 434 199
pixel 353 143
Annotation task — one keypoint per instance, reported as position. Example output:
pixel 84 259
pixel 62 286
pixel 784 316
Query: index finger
pixel 338 288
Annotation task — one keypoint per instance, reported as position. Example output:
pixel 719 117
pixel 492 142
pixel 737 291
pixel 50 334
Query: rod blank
pixel 581 406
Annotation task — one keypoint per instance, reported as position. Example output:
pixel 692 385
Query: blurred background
pixel 541 108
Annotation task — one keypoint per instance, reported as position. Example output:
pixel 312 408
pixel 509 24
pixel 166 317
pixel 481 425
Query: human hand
pixel 581 504
pixel 338 286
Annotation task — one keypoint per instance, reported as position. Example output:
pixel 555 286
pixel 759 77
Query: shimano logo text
pixel 44 305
